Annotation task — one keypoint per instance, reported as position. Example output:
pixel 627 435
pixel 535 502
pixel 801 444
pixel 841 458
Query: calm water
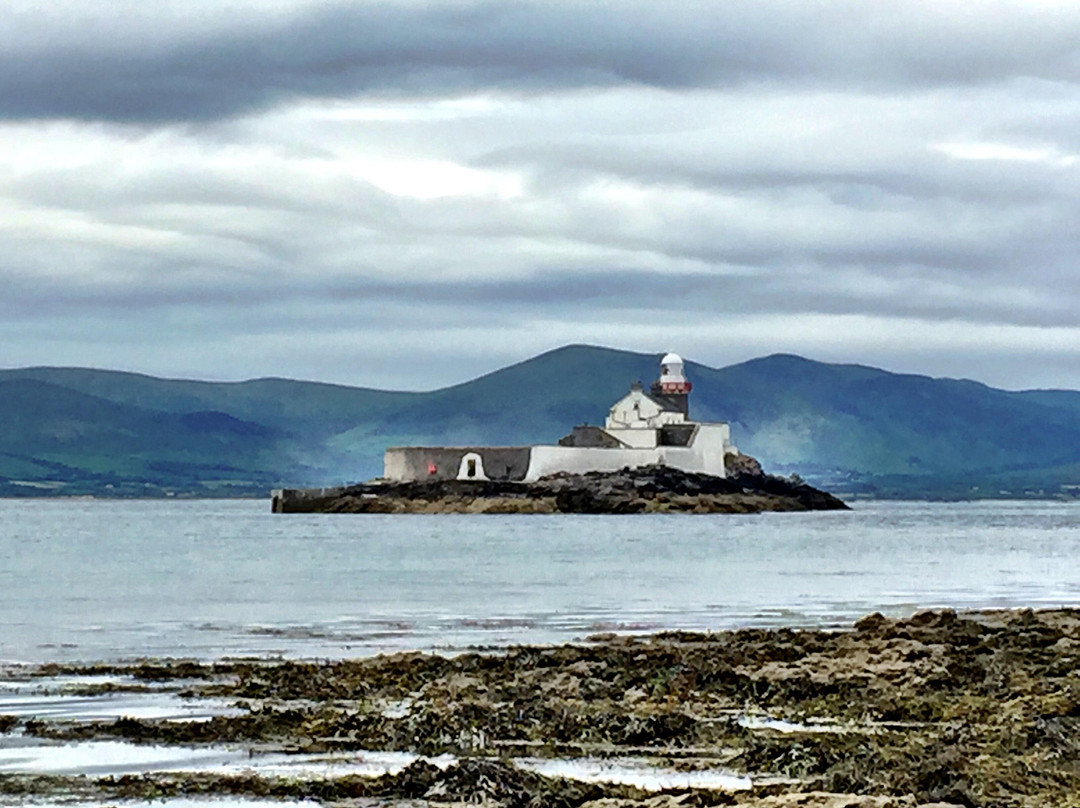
pixel 87 580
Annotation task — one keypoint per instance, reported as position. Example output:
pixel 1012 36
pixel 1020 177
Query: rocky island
pixel 649 457
pixel 649 489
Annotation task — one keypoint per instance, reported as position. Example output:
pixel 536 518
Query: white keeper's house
pixel 641 429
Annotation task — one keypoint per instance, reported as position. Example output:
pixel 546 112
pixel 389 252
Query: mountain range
pixel 857 430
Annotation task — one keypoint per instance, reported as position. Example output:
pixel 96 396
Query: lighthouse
pixel 641 429
pixel 672 388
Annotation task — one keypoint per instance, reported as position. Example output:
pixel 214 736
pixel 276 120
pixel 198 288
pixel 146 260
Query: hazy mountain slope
pixel 1068 400
pixel 792 411
pixel 826 421
pixel 52 432
pixel 340 432
pixel 536 400
pixel 302 407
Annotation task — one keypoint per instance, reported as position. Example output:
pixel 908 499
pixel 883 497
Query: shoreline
pixel 976 709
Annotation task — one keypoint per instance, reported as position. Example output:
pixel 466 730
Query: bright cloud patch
pixel 1001 151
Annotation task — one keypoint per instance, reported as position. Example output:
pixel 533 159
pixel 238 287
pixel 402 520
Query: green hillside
pixel 56 434
pixel 281 403
pixel 795 412
pixel 854 428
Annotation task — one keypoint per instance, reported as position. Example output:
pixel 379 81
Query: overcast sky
pixel 408 194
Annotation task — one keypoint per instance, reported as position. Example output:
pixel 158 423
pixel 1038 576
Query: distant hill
pixel 855 429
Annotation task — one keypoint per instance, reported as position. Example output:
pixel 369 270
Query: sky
pixel 408 194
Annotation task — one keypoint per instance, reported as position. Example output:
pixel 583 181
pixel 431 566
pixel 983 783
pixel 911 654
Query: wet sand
pixel 975 709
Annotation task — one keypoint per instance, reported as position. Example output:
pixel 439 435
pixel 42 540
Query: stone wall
pixel 411 463
pixel 303 500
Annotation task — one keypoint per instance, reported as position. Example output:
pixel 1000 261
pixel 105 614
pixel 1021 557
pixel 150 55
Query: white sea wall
pixel 707 458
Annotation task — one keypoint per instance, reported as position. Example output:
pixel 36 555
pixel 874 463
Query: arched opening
pixel 472 467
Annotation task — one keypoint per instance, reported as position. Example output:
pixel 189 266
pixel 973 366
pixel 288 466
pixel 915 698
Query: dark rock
pixel 738 465
pixel 631 490
pixel 872 623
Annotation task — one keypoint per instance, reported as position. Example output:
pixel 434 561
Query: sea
pixel 99 580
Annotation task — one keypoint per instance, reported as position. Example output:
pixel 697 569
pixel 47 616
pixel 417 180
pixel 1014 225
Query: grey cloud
pixel 722 179
pixel 238 305
pixel 908 269
pixel 142 74
pixel 422 343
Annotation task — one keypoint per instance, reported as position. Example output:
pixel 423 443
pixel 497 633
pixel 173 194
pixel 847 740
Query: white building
pixel 641 429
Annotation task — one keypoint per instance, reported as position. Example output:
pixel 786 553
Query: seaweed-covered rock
pixel 936 709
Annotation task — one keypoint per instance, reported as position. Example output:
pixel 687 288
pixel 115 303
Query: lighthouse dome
pixel 672 378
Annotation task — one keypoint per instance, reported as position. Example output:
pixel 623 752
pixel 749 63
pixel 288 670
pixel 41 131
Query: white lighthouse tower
pixel 672 388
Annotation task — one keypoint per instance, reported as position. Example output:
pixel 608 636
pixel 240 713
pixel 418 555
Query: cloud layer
pixel 404 194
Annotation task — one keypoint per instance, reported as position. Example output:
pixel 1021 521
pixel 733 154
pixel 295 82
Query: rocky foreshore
pixel 652 489
pixel 936 709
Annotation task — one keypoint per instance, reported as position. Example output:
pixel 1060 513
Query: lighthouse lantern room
pixel 672 379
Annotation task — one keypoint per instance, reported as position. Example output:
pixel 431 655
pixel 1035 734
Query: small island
pixel 649 457
pixel 650 489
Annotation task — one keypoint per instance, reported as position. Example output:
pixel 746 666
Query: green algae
pixel 977 709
